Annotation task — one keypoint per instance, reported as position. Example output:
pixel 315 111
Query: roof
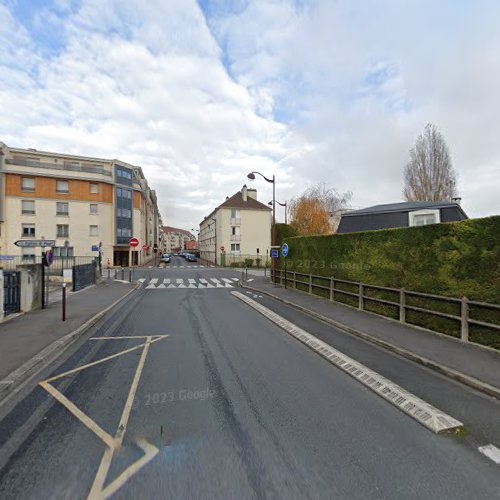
pixel 170 229
pixel 405 206
pixel 236 201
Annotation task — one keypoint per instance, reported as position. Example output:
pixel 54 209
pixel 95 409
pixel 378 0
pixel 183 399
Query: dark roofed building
pixel 403 214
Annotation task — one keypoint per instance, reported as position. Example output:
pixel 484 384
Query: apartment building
pixel 239 227
pixel 176 239
pixel 87 205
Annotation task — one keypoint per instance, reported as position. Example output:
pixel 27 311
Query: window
pixel 28 254
pixel 235 247
pixel 28 207
pixel 62 186
pixel 94 230
pixel 235 230
pixel 28 230
pixel 424 217
pixel 234 213
pixel 28 184
pixel 63 251
pixel 62 230
pixel 94 188
pixel 62 208
pixel 94 209
pixel 423 220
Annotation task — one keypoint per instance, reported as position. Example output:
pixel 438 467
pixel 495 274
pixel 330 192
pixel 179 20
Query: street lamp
pixel 283 205
pixel 251 176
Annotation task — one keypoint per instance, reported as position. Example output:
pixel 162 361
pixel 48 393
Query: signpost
pixel 35 243
pixel 284 251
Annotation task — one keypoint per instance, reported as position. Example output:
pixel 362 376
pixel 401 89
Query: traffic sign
pixel 133 242
pixel 145 247
pixel 95 248
pixel 284 249
pixel 35 243
pixel 275 253
pixel 222 248
pixel 49 257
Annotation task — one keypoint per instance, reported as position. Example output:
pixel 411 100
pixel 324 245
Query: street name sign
pixel 35 243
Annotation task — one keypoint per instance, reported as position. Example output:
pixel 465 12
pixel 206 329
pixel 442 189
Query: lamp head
pixel 251 176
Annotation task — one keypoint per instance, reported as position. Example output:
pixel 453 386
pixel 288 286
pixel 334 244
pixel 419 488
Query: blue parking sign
pixel 275 253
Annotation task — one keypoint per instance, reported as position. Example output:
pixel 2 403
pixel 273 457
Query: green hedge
pixel 455 259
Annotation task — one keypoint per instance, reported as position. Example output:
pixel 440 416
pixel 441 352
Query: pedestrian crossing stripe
pixel 155 284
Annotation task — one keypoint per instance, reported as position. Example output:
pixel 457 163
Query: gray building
pixel 405 214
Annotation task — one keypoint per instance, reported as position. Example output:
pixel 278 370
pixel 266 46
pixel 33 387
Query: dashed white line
pixel 491 451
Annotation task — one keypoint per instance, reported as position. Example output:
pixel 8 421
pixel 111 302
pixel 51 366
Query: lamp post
pixel 251 176
pixel 283 205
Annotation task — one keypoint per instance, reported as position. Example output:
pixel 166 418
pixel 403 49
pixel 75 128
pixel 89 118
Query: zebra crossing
pixel 176 283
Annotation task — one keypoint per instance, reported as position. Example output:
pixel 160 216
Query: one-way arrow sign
pixel 35 243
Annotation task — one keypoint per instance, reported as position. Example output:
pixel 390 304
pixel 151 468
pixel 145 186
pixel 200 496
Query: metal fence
pixel 397 302
pixel 56 269
pixel 257 261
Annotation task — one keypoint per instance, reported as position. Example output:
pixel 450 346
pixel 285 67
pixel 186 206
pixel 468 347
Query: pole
pixel 43 280
pixel 274 228
pixel 64 302
pixel 285 271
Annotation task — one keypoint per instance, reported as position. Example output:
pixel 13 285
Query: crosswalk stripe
pixel 162 286
pixel 166 281
pixel 191 280
pixel 203 280
pixel 154 281
pixel 179 280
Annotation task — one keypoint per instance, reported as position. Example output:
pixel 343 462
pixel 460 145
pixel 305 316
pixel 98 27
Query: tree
pixel 429 174
pixel 311 212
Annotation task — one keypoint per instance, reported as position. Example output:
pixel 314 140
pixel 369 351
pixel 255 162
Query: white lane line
pixel 424 413
pixel 491 451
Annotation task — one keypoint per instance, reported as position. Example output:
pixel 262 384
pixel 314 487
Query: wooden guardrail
pixel 294 278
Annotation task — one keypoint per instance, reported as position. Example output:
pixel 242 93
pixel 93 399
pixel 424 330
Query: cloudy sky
pixel 201 93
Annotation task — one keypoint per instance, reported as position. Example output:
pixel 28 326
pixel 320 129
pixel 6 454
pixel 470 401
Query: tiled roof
pixel 236 201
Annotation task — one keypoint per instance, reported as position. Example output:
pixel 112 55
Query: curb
pixel 49 354
pixel 475 383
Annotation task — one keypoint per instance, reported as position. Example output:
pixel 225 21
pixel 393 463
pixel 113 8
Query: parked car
pixel 190 257
pixel 165 258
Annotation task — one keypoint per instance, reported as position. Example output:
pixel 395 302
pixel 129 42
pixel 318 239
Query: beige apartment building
pixel 237 229
pixel 88 205
pixel 176 239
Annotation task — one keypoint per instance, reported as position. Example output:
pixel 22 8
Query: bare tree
pixel 429 174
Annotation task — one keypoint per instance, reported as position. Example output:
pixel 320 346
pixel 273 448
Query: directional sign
pixel 284 249
pixel 133 242
pixel 275 253
pixel 35 243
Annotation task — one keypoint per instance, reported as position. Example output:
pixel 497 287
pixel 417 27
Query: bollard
pixel 109 273
pixel 123 273
pixel 129 275
pixel 64 302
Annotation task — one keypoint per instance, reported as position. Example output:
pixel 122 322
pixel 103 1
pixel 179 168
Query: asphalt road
pixel 227 406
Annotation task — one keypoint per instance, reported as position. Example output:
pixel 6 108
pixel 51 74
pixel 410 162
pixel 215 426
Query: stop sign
pixel 145 247
pixel 133 242
pixel 222 248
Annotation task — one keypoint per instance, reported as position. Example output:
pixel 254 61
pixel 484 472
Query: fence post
pixel 331 289
pixel 294 279
pixel 464 330
pixel 281 277
pixel 310 284
pixel 402 305
pixel 361 301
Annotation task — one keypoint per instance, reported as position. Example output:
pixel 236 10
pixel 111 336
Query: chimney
pixel 252 193
pixel 456 200
pixel 244 193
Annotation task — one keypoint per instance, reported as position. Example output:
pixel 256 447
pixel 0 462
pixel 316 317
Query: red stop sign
pixel 133 242
pixel 145 247
pixel 222 248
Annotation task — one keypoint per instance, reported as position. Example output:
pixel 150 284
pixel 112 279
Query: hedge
pixel 455 259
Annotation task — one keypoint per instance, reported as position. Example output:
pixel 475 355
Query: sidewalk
pixel 24 336
pixel 469 363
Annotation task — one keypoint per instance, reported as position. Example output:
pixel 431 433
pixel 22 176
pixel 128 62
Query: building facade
pixel 89 206
pixel 176 239
pixel 404 214
pixel 239 228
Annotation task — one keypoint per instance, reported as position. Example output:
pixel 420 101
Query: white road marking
pixel 227 280
pixel 154 281
pixel 151 285
pixel 491 451
pixel 203 280
pixel 251 279
pixel 228 285
pixel 191 280
pixel 171 286
pixel 161 286
pixel 420 410
pixel 179 280
pixel 181 286
pixel 236 279
pixel 142 280
pixel 166 281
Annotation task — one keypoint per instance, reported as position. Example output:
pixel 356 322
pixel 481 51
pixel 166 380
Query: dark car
pixel 165 258
pixel 190 257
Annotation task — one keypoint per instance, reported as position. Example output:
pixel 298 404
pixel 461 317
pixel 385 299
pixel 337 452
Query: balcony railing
pixel 58 166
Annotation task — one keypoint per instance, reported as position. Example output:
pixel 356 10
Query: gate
pixel 84 275
pixel 12 292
